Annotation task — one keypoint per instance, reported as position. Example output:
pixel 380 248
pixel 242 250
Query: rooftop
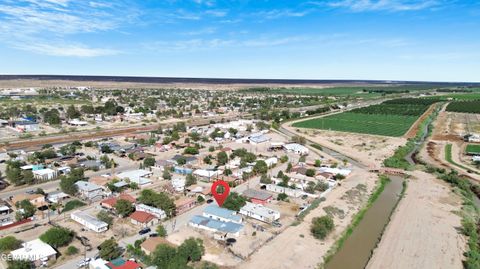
pixel 142 216
pixel 33 251
pixel 259 195
pixel 226 227
pixel 87 186
pixel 222 212
pixel 88 218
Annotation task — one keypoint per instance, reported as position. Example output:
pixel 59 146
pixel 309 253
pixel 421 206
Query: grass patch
pixel 448 158
pixel 70 205
pixel 472 149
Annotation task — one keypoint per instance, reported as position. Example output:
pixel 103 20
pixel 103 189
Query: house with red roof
pixel 109 203
pixel 142 218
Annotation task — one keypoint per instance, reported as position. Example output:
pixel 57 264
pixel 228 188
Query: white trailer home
pixel 260 212
pixel 89 222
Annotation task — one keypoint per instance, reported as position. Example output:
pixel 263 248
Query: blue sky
pixel 428 40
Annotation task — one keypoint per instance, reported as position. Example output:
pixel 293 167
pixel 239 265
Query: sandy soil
pixel 368 149
pixel 423 232
pixel 27 83
pixel 295 247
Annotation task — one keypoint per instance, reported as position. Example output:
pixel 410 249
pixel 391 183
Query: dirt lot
pixel 423 232
pixel 295 247
pixel 371 150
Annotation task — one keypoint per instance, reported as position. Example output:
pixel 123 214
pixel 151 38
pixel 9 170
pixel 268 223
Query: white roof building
pixel 34 250
pixel 287 191
pixel 89 222
pixel 157 212
pixel 335 171
pixel 271 161
pixel 296 148
pixel 178 184
pixel 77 122
pixel 45 174
pixel 259 212
pixel 208 174
pixel 138 176
pixel 476 158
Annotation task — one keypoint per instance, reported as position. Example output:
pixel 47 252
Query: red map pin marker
pixel 220 197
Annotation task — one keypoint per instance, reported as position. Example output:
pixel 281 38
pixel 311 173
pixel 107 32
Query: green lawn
pixel 473 149
pixel 377 124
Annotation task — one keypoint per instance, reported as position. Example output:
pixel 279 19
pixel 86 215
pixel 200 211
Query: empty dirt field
pixel 424 229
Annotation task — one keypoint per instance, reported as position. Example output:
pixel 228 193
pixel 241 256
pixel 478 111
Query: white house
pixel 207 175
pixel 44 174
pixel 476 158
pixel 259 212
pixel 271 161
pixel 296 148
pixel 221 214
pixel 89 190
pixel 35 251
pixel 178 184
pixel 335 171
pixel 157 212
pixel 287 191
pixel 89 222
pixel 77 122
pixel 474 138
pixel 139 176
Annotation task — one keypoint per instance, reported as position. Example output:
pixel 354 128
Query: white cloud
pixel 281 13
pixel 75 50
pixel 385 5
pixel 35 22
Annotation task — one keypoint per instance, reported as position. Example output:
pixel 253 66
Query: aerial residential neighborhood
pixel 206 134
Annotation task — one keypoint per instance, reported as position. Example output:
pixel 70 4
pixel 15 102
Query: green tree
pixel 72 112
pixel 19 264
pixel 161 231
pixel 234 201
pixel 28 209
pixel 190 150
pixel 282 197
pixel 149 161
pixel 190 180
pixel 104 216
pixel 57 237
pixel 192 249
pixel 67 185
pixel 289 167
pixel 166 175
pixel 260 167
pixel 72 250
pixel 310 172
pixel 321 227
pixel 124 208
pixel 163 256
pixel 284 159
pixel 318 163
pixel 264 179
pixel 109 250
pixel 222 158
pixel 158 200
pixel 9 243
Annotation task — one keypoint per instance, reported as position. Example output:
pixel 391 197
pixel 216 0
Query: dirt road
pixel 423 231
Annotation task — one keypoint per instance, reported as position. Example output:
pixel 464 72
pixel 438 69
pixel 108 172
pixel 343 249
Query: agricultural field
pixel 391 118
pixel 364 91
pixel 473 149
pixel 464 106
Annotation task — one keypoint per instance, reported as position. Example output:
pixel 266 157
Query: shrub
pixel 57 237
pixel 321 227
pixel 71 250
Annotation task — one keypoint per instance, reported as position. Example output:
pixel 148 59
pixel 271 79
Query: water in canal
pixel 358 247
